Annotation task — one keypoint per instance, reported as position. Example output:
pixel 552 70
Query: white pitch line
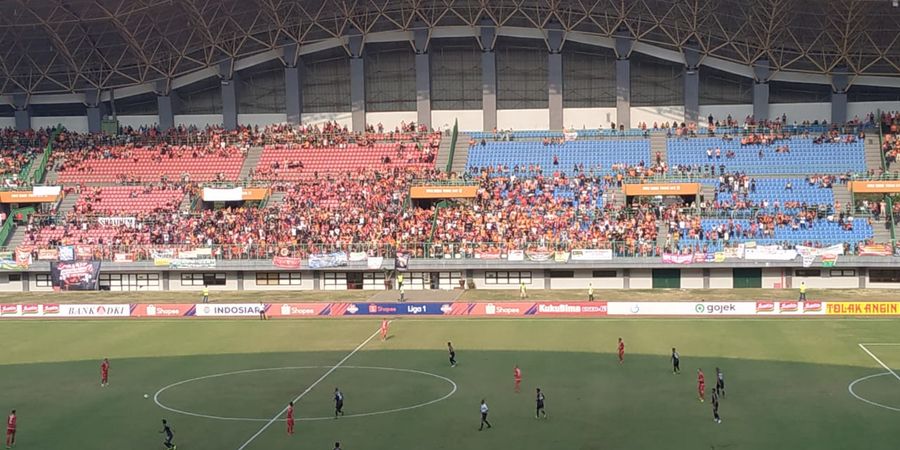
pixel 310 388
pixel 879 361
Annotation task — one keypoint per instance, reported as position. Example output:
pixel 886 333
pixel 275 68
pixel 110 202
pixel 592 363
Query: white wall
pixel 198 120
pixel 658 114
pixel 390 119
pixel 826 282
pixel 583 278
pixel 801 111
pixel 537 281
pixel 72 123
pixel 342 118
pixel 773 278
pixel 721 112
pixel 641 278
pixel 306 283
pixel 721 279
pixel 138 121
pixel 7 122
pixel 523 119
pixel 261 120
pixel 469 119
pixel 692 278
pixel 591 118
pixel 862 108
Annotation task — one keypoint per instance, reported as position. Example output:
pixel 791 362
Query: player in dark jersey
pixel 452 354
pixel 720 382
pixel 676 361
pixel 338 403
pixel 167 430
pixel 715 406
pixel 539 401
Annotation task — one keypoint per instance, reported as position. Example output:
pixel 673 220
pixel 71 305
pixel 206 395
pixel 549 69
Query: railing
pixel 6 229
pixel 453 139
pixel 42 167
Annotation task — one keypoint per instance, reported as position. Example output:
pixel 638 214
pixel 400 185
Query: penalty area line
pixel 891 371
pixel 310 388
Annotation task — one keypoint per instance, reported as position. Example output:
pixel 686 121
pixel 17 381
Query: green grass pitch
pixel 787 384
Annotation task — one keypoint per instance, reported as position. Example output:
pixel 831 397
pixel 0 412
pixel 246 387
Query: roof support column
pixel 230 79
pixel 623 46
pixel 95 111
pixel 761 75
pixel 23 113
pixel 555 40
pixel 423 75
pixel 293 94
pixel 840 84
pixel 357 82
pixel 487 38
pixel 691 84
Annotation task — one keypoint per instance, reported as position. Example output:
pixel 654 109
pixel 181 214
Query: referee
pixel 720 382
pixel 676 361
pixel 484 413
pixel 338 403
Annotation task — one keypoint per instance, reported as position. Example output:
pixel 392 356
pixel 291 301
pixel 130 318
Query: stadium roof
pixel 64 46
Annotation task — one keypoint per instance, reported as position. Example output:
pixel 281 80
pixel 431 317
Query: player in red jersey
pixel 384 329
pixel 517 376
pixel 104 372
pixel 11 429
pixel 621 351
pixel 701 384
pixel 290 418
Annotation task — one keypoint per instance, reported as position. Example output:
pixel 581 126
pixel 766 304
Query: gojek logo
pixel 699 308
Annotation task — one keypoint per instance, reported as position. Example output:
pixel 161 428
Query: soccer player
pixel 701 385
pixel 338 403
pixel 384 329
pixel 539 399
pixel 452 354
pixel 590 292
pixel 676 361
pixel 715 406
pixel 484 413
pixel 11 429
pixel 290 418
pixel 720 382
pixel 621 351
pixel 517 376
pixel 104 372
pixel 169 436
pixel 337 446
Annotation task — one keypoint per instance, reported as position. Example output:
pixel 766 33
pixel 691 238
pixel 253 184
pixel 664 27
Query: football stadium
pixel 455 224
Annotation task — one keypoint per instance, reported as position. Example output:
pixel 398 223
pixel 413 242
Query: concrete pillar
pixel 423 75
pixel 95 111
pixel 22 113
pixel 230 80
pixel 486 39
pixel 623 46
pixel 357 83
pixel 761 74
pixel 555 40
pixel 691 84
pixel 167 104
pixel 293 92
pixel 840 83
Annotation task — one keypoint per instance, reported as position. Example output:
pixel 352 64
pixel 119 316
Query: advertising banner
pixel 434 192
pixel 863 308
pixel 682 308
pixel 54 310
pixel 163 310
pixel 74 276
pixel 229 309
pixel 653 189
pixel 286 262
pixel 223 195
pixel 581 254
pixel 324 260
pixel 190 263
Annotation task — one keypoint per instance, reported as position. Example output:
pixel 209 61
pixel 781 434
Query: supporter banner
pixel 561 257
pixel 488 254
pixel 286 262
pixel 163 310
pixel 674 258
pixel 48 254
pixel 539 255
pixel 863 308
pixel 769 252
pixel 84 252
pixel 229 309
pixel 223 195
pixel 809 254
pixel 118 221
pixel 74 276
pixel 682 308
pixel 829 260
pixel 877 187
pixel 652 189
pixel 401 261
pixel 734 252
pixel 66 253
pixel 9 264
pixel 570 136
pixel 875 250
pixel 167 253
pixel 374 262
pixel 358 256
pixel 123 257
pixel 581 254
pixel 191 263
pixel 23 257
pixel 324 260
pixel 418 192
pixel 161 262
pixel 515 255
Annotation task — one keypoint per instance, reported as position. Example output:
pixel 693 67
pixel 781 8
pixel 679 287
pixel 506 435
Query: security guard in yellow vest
pixel 591 292
pixel 400 281
pixel 205 294
pixel 802 291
